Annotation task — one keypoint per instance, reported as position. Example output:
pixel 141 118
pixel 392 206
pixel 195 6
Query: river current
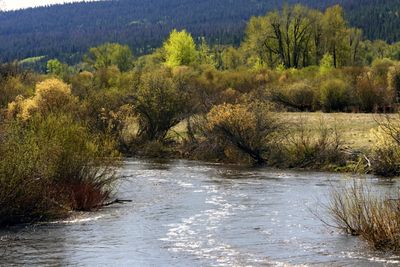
pixel 186 213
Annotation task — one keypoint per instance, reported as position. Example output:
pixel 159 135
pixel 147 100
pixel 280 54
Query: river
pixel 187 213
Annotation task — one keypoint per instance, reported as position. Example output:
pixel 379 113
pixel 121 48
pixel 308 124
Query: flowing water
pixel 196 214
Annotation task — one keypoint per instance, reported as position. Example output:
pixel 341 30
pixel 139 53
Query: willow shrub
pixel 298 96
pixel 359 212
pixel 159 104
pixel 50 166
pixel 51 96
pixel 314 148
pixel 334 95
pixel 246 128
pixel 385 158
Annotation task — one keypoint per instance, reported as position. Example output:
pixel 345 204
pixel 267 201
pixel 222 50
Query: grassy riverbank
pixel 355 128
pixel 356 134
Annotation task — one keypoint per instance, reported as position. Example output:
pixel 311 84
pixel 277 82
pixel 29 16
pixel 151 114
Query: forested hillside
pixel 67 31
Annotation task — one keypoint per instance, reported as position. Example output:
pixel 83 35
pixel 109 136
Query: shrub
pixel 82 84
pixel 51 96
pixel 319 147
pixel 10 89
pixel 50 166
pixel 394 81
pixel 372 95
pixel 326 64
pixel 231 58
pixel 160 104
pixel 334 95
pixel 358 212
pixel 386 150
pixel 380 68
pixel 300 96
pixel 248 128
pixel 109 54
pixel 242 81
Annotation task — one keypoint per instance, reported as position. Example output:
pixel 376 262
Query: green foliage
pixel 326 64
pixel 297 36
pixel 334 95
pixel 160 103
pixel 205 56
pixel 380 68
pixel 55 67
pixel 300 96
pixel 109 54
pixel 73 29
pixel 180 49
pixel 336 35
pixel 394 81
pixel 50 166
pixel 231 58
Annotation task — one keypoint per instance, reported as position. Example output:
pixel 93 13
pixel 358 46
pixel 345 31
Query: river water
pixel 196 214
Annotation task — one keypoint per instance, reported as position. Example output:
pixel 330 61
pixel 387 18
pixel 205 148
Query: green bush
pixel 160 103
pixel 334 95
pixel 50 166
pixel 380 68
pixel 299 96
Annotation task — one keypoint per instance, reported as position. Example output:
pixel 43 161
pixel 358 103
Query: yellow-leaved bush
pixel 51 96
pixel 249 128
pixel 238 117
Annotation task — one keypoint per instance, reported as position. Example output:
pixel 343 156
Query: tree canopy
pixel 180 49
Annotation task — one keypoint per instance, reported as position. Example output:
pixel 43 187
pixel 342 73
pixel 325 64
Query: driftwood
pixel 117 201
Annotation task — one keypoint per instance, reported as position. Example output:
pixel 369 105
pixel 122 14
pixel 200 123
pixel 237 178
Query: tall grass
pixel 314 148
pixel 386 150
pixel 357 211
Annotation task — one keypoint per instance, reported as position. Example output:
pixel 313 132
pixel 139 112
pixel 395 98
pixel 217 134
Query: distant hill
pixel 67 31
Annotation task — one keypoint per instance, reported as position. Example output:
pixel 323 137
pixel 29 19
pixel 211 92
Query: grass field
pixel 355 128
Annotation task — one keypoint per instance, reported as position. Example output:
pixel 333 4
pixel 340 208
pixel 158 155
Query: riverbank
pixel 355 128
pixel 352 136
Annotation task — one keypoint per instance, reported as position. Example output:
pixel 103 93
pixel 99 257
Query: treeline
pixel 67 31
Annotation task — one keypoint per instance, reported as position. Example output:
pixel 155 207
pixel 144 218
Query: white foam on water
pixel 197 234
pixel 185 185
pixel 353 255
pixel 159 180
pixel 77 220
